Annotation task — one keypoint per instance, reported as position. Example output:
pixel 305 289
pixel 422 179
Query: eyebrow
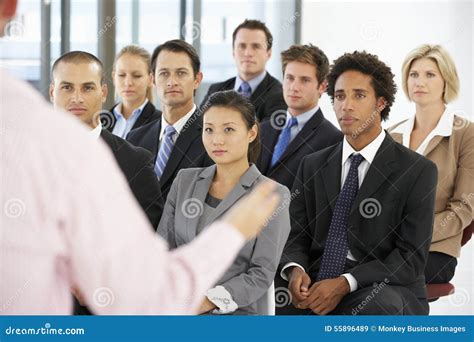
pixel 70 83
pixel 179 69
pixel 225 123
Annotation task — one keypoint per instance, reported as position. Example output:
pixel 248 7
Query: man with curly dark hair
pixel 361 224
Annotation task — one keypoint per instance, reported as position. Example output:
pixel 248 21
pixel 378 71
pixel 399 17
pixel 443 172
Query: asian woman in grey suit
pixel 200 196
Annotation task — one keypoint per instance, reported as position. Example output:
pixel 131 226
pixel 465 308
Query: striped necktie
pixel 166 146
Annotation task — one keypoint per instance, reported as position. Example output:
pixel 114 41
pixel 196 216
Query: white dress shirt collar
pixel 444 128
pixel 178 125
pixel 95 133
pixel 368 152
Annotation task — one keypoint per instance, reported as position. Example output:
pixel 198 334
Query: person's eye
pixel 431 75
pixel 181 73
pixel 208 130
pixel 360 96
pixel 339 97
pixel 89 88
pixel 66 87
pixel 137 76
pixel 121 75
pixel 413 74
pixel 163 74
pixel 229 129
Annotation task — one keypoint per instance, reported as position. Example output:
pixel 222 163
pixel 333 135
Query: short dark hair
pixel 368 64
pixel 308 54
pixel 79 57
pixel 177 45
pixel 252 24
pixel 233 100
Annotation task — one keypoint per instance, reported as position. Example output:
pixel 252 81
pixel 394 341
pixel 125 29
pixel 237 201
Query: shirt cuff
pixel 221 298
pixel 290 264
pixel 351 280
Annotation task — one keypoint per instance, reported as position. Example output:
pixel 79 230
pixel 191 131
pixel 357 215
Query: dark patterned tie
pixel 336 249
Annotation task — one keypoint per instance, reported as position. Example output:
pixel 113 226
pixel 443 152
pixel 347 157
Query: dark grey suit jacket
pixel 253 271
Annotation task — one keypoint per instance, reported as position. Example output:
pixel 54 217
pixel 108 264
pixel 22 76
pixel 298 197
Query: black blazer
pixel 267 98
pixel 390 223
pixel 188 151
pixel 138 167
pixel 317 134
pixel 149 114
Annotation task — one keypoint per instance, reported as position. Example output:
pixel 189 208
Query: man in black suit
pixel 362 220
pixel 175 140
pixel 302 129
pixel 77 87
pixel 252 48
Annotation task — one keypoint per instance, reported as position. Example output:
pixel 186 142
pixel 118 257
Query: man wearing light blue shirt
pixel 252 49
pixel 291 134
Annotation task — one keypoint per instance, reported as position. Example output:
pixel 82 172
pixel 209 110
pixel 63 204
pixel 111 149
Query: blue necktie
pixel 336 249
pixel 165 150
pixel 283 141
pixel 245 89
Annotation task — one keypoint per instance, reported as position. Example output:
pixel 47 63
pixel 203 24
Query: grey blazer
pixel 252 273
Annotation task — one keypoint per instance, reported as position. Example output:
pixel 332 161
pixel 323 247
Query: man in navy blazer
pixel 175 139
pixel 252 48
pixel 292 134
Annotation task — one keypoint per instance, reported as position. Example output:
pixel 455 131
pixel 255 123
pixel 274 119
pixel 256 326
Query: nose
pixel 347 104
pixel 248 51
pixel 217 139
pixel 77 96
pixel 128 80
pixel 171 81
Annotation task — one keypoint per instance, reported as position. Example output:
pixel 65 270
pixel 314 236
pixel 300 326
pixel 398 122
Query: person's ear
pixel 198 80
pixel 381 104
pixel 105 92
pixel 253 133
pixel 51 92
pixel 323 87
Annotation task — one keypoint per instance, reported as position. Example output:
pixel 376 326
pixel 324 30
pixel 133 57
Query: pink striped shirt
pixel 69 219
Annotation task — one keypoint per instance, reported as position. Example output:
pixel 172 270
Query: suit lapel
pixel 153 139
pixel 306 133
pixel 191 131
pixel 200 192
pixel 432 144
pixel 261 89
pixel 145 115
pixel 269 141
pixel 331 175
pixel 379 171
pixel 241 188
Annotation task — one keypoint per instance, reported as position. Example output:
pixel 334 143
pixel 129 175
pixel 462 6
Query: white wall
pixel 390 30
